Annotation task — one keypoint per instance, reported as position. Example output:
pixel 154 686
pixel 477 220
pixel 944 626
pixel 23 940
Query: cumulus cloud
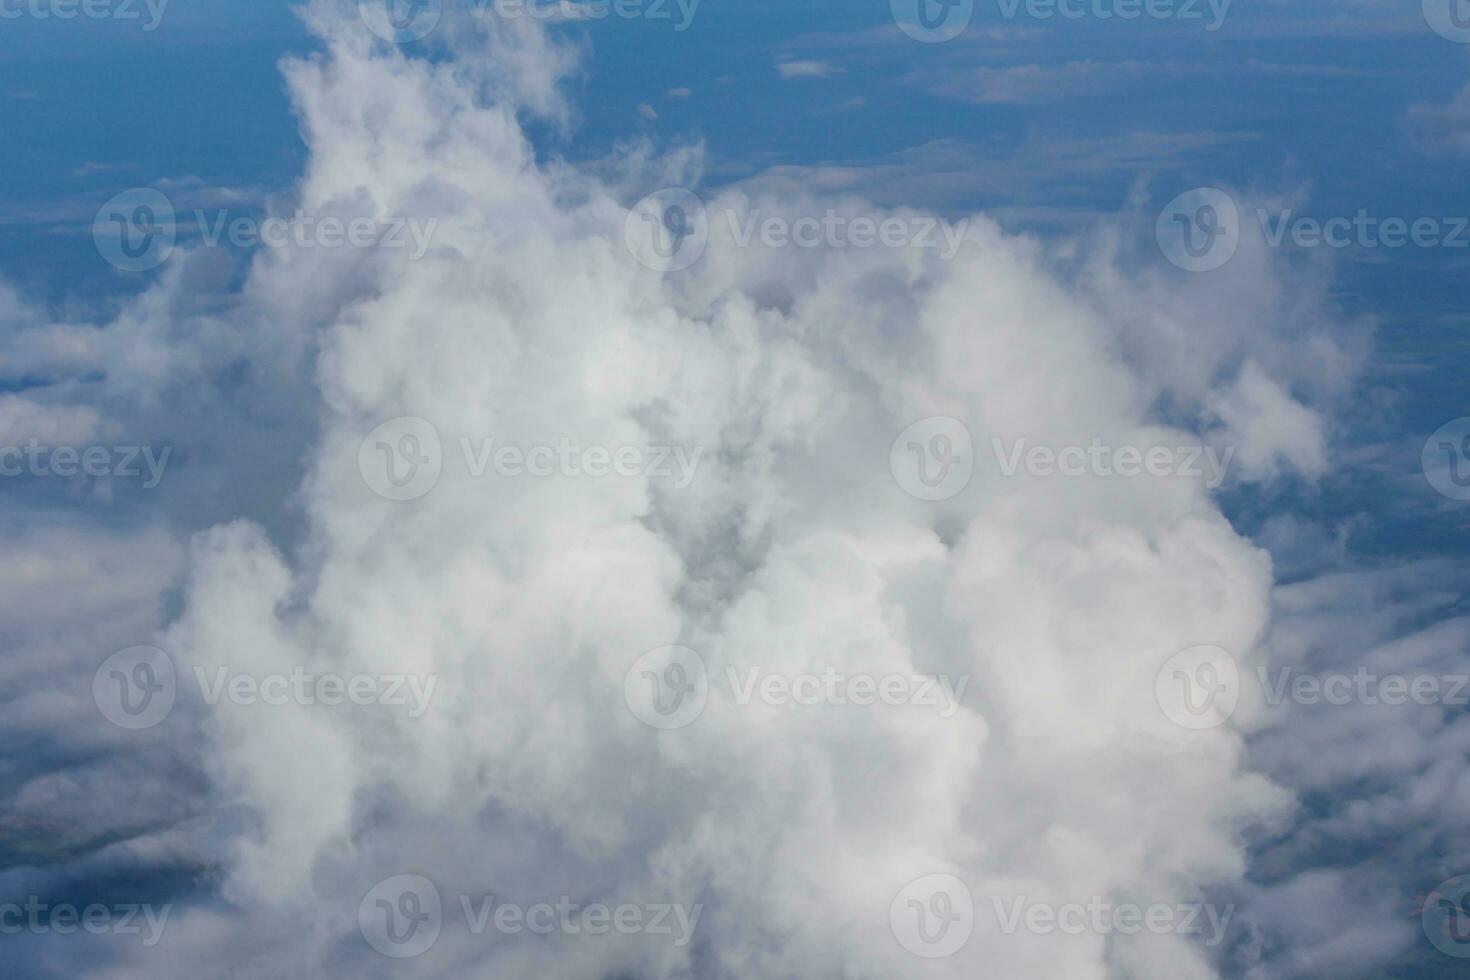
pixel 1268 428
pixel 1339 887
pixel 794 550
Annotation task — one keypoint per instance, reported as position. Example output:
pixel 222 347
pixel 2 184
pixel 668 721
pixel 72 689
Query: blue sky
pixel 1280 97
pixel 1045 123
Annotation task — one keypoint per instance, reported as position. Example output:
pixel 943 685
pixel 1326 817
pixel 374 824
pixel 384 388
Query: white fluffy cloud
pixel 794 550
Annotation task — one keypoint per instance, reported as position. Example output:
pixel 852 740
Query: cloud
pixel 1335 888
pixel 1445 125
pixel 804 69
pixel 1038 177
pixel 91 168
pixel 1268 428
pixel 1037 83
pixel 795 551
